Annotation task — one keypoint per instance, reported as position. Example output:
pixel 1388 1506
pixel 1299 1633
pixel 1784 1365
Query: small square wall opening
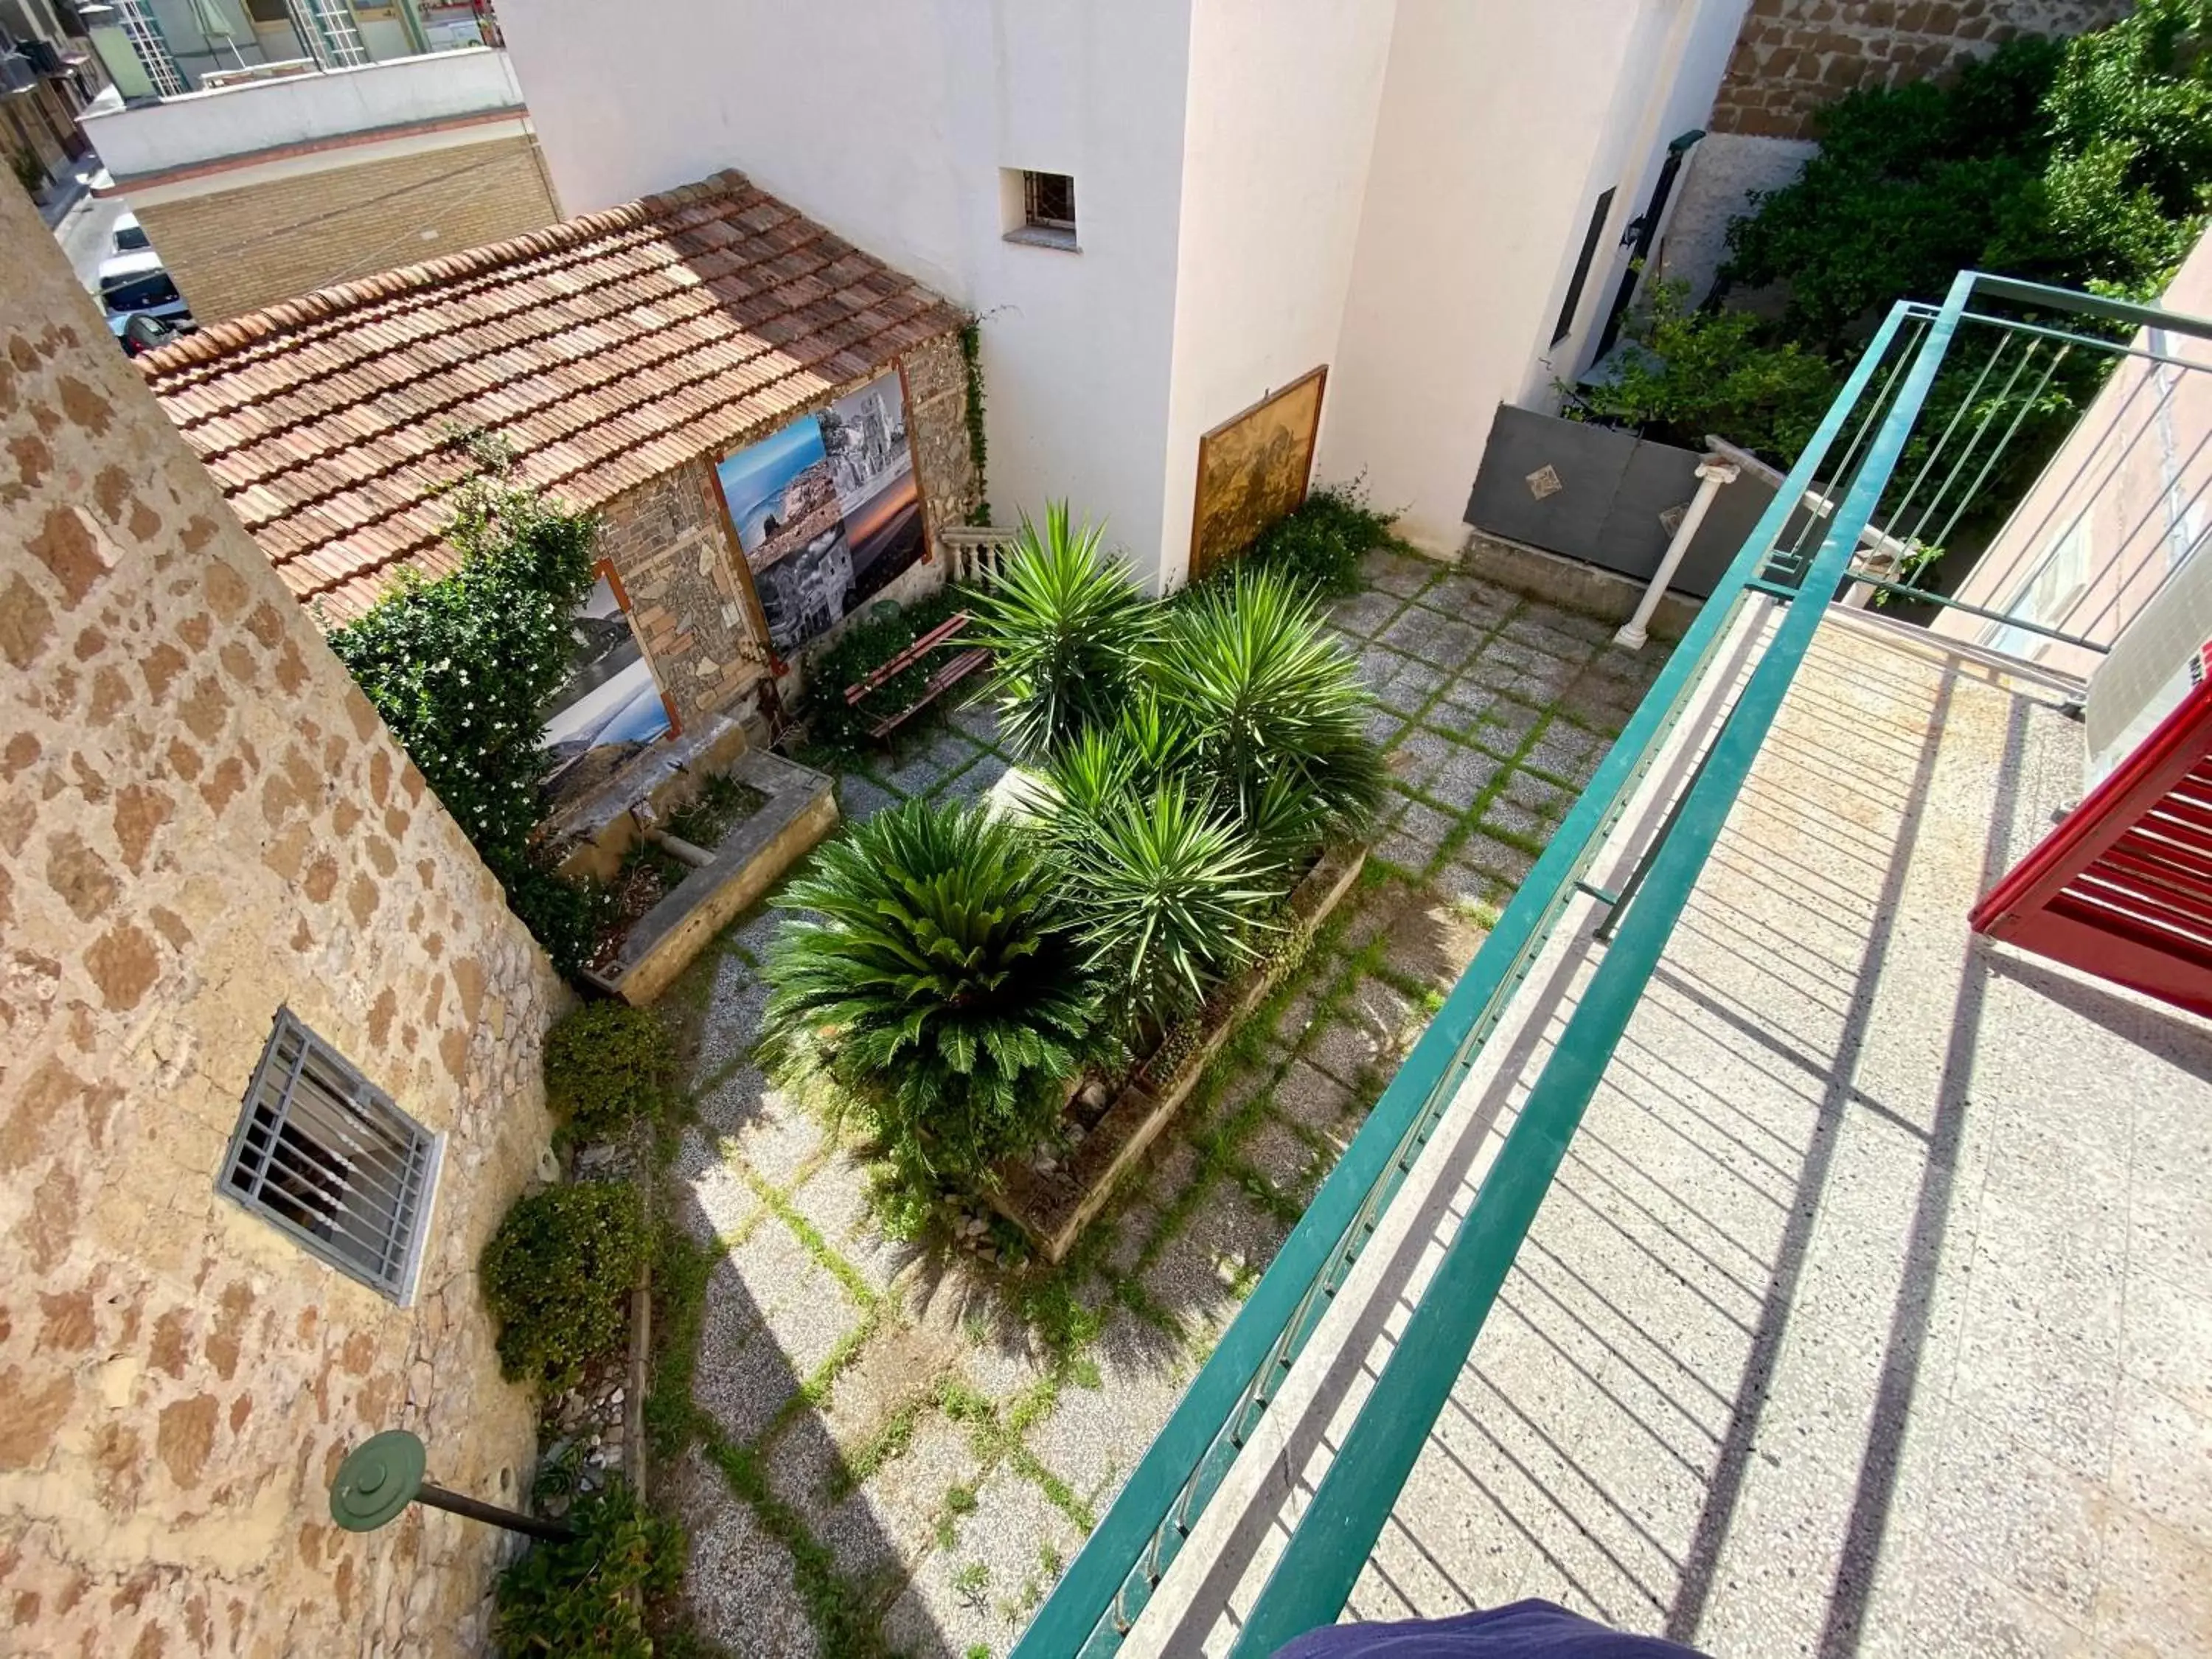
pixel 1038 207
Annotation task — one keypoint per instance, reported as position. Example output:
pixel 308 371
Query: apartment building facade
pixel 1168 216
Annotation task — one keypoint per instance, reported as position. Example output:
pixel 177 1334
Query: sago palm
pixel 939 980
pixel 1270 701
pixel 1064 626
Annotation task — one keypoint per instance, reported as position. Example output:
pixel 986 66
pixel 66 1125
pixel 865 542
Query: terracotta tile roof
pixel 606 349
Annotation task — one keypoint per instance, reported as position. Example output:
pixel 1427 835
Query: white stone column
pixel 1712 473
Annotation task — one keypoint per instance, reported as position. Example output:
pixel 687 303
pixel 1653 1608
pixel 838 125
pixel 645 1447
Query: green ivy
pixel 971 359
pixel 583 1597
pixel 461 669
pixel 557 1276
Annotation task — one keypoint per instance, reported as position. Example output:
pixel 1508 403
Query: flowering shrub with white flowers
pixel 462 667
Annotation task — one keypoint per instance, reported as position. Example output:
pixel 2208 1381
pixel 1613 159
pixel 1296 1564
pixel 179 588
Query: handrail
pixel 1107 1586
pixel 1330 1546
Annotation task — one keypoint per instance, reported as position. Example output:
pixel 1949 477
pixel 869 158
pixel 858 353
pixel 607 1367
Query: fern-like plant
pixel 1064 626
pixel 1270 703
pixel 939 982
pixel 1169 896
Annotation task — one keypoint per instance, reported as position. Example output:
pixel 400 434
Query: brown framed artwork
pixel 1252 468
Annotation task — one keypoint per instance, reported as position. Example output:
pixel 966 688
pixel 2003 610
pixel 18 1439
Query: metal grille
pixel 328 28
pixel 1048 201
pixel 144 35
pixel 322 1154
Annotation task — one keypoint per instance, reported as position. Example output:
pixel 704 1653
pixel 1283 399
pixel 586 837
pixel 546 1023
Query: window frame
pixel 1027 219
pixel 422 1159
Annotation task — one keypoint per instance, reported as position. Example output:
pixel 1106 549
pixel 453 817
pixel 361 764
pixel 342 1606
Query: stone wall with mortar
pixel 671 543
pixel 1792 56
pixel 201 819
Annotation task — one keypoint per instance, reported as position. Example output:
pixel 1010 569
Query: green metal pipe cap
pixel 377 1479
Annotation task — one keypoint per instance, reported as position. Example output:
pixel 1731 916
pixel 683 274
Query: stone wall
pixel 1792 56
pixel 669 542
pixel 201 820
pixel 694 611
pixel 237 250
pixel 937 413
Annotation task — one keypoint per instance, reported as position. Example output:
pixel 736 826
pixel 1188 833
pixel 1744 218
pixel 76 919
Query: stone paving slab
pixel 1464 686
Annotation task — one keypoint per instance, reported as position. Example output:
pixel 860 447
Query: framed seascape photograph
pixel 827 511
pixel 611 706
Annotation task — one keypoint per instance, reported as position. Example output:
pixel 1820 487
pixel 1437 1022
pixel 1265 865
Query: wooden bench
pixel 954 671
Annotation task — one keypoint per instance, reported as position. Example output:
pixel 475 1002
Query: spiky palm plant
pixel 1167 895
pixel 1064 626
pixel 938 981
pixel 1270 702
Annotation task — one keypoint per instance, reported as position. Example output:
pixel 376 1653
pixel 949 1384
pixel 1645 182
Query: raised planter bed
pixel 1052 1207
pixel 799 807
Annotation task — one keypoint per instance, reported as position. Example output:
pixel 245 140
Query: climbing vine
pixel 971 358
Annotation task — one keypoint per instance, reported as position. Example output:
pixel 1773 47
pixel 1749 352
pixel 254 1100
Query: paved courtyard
pixel 898 1448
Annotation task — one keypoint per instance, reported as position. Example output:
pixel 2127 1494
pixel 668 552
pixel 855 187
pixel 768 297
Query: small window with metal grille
pixel 322 1154
pixel 1041 208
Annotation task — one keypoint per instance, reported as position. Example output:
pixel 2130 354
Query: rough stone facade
pixel 937 418
pixel 692 605
pixel 669 542
pixel 1792 56
pixel 238 250
pixel 201 820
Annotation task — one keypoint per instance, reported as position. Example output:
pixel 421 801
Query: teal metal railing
pixel 1790 552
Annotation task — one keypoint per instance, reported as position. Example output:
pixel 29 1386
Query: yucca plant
pixel 938 981
pixel 1064 627
pixel 1270 704
pixel 1168 895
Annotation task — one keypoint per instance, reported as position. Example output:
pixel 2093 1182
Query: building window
pixel 1598 215
pixel 151 50
pixel 322 1154
pixel 327 28
pixel 1040 208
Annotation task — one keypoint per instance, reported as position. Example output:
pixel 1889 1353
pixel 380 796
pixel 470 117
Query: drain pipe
pixel 1712 473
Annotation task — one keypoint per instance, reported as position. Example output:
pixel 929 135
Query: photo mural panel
pixel 827 511
pixel 1252 469
pixel 611 706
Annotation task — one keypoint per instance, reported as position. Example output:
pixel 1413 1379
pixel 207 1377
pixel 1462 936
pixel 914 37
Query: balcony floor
pixel 1872 1310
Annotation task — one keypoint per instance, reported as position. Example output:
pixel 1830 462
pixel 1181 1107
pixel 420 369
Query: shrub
pixel 1708 371
pixel 1168 895
pixel 838 728
pixel 581 1597
pixel 938 981
pixel 608 1065
pixel 1320 545
pixel 460 669
pixel 1266 696
pixel 1064 626
pixel 557 1276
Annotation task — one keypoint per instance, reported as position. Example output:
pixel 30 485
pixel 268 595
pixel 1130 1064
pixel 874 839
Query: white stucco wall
pixel 307 109
pixel 1725 172
pixel 1500 125
pixel 1282 107
pixel 889 120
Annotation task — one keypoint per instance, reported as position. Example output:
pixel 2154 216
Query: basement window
pixel 322 1154
pixel 1040 208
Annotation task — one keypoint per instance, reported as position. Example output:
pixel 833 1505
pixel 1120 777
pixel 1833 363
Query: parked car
pixel 142 333
pixel 138 284
pixel 130 236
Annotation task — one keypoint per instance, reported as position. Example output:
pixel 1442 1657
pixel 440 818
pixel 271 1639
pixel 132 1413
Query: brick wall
pixel 1794 56
pixel 201 819
pixel 234 251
